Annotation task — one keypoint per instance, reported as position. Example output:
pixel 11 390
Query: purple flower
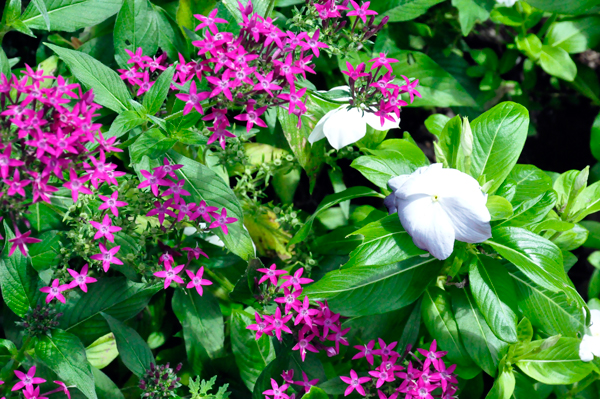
pixel 278 323
pixel 306 383
pixel 296 280
pixel 366 351
pixel 277 391
pixel 112 203
pixel 271 274
pixel 105 229
pixel 81 279
pixel 171 274
pixel 361 11
pixel 197 281
pixel 261 327
pixel 20 241
pixel 222 221
pixel 432 356
pixel 107 256
pixel 354 382
pixel 55 290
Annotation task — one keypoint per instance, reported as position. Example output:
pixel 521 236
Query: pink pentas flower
pixel 55 290
pixel 265 83
pixel 219 133
pixel 162 209
pixel 107 256
pixel 204 211
pixel 144 84
pixel 294 98
pixel 261 327
pixel 304 345
pixel 305 313
pixel 166 259
pixel 77 185
pixel 444 375
pixel 278 323
pixel 383 61
pixel 312 43
pixel 167 169
pixel 296 280
pixel 210 21
pixel 361 11
pixel 385 350
pixel 81 279
pixel 329 321
pixel 382 376
pixel 384 396
pixel 432 356
pixel 222 221
pixel 220 86
pixel 288 376
pixel 194 252
pixel 306 383
pixel 196 280
pixel 289 299
pixel 20 241
pixel 105 229
pixel 33 393
pixel 177 190
pixel 365 351
pixel 6 162
pixel 112 203
pixel 355 73
pixel 170 274
pixel 338 338
pixel 193 99
pixel 136 57
pixel 16 185
pixel 62 387
pixel 154 181
pixel 278 392
pixel 270 274
pixel 354 382
pixel 27 379
pixel 410 88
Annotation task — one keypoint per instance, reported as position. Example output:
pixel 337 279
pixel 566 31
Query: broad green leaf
pixel 441 324
pixel 483 346
pixel 187 9
pixel 109 90
pixel 203 326
pixel 449 140
pixel 170 37
pixel 385 241
pixel 315 393
pixel 524 389
pixel 19 281
pixel 43 254
pixel 531 211
pixel 251 355
pixel 64 354
pixel 530 181
pixel 152 143
pixel 123 123
pixel 498 138
pixel 587 202
pixel 401 158
pixel 115 296
pixel 102 351
pixel 435 123
pixel 261 7
pixel 572 238
pixel 41 7
pixel 507 16
pixel 495 295
pixel 595 138
pixel 70 15
pixel 593 240
pixel 574 7
pixel 136 26
pixel 156 96
pixel 574 36
pixel 540 259
pixel 529 44
pixel 557 62
pixel 550 312
pixel 4 64
pixel 134 351
pixel 586 82
pixel 503 387
pixel 402 10
pixel 205 185
pixel 328 202
pixel 559 364
pixel 472 11
pixel 368 290
pixel 499 207
pixel 105 387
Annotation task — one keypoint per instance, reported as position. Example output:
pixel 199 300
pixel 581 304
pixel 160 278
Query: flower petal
pixel 317 133
pixel 375 121
pixel 344 127
pixel 470 218
pixel 586 348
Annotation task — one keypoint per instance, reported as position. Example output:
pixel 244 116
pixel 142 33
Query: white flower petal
pixel 428 225
pixel 317 133
pixel 375 121
pixel 344 127
pixel 425 180
pixel 396 182
pixel 390 203
pixel 586 348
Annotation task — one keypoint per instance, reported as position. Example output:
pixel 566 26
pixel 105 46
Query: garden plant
pixel 300 199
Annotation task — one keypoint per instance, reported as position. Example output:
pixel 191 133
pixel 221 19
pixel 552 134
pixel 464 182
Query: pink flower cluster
pixel 27 382
pixel 280 392
pixel 143 71
pixel 310 325
pixel 81 280
pixel 47 131
pixel 253 71
pixel 391 379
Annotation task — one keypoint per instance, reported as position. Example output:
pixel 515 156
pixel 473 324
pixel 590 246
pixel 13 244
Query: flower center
pixel 435 198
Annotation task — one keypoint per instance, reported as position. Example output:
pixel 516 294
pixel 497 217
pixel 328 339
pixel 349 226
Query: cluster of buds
pixel 46 133
pixel 332 17
pixel 144 70
pixel 310 325
pixel 253 71
pixel 281 391
pixel 40 320
pixel 390 379
pixel 27 385
pixel 160 381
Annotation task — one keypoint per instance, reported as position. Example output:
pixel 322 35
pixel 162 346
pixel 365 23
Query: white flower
pixel 590 344
pixel 437 206
pixel 506 3
pixel 345 125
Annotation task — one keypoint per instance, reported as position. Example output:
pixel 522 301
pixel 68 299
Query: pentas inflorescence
pixel 143 70
pixel 313 328
pixel 28 382
pixel 46 135
pixel 281 391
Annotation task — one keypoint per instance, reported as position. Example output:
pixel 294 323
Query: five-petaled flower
pixel 196 280
pixel 55 290
pixel 171 274
pixel 107 256
pixel 81 279
pixel 354 382
pixel 27 379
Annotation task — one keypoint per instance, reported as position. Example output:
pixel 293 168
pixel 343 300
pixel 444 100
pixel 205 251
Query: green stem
pixel 222 282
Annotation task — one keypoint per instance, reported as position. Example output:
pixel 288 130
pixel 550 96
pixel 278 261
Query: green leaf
pixel 498 138
pixel 529 44
pixel 524 389
pixel 368 290
pixel 385 241
pixel 484 347
pixel 204 184
pixel 503 387
pixel 109 90
pixel 43 254
pixel 170 37
pixel 19 281
pixel 134 351
pixel 187 9
pixel 156 96
pixel 203 326
pixel 70 15
pixel 574 7
pixel 530 181
pixel 574 36
pixel 136 26
pixel 540 259
pixel 557 62
pixel 402 10
pixel 152 143
pixel 441 324
pixel 499 207
pixel 41 7
pixel 251 355
pixel 552 313
pixel 595 138
pixel 4 64
pixel 64 354
pixel 572 238
pixel 328 202
pixel 123 123
pixel 393 158
pixel 472 11
pixel 315 393
pixel 531 211
pixel 507 16
pixel 435 123
pixel 115 296
pixel 105 387
pixel 495 295
pixel 559 364
pixel 102 351
pixel 261 7
pixel 449 140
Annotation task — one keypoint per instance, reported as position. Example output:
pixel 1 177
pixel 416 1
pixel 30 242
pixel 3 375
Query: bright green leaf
pixel 557 62
pixel 134 351
pixel 70 15
pixel 136 26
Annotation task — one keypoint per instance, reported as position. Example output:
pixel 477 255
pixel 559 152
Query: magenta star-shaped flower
pixel 55 291
pixel 278 323
pixel 355 73
pixel 196 280
pixel 210 21
pixel 261 327
pixel 33 393
pixel 265 83
pixel 290 299
pixel 361 11
pixel 304 345
pixel 194 252
pixel 154 181
pixel 16 185
pixel 270 274
pixel 20 241
pixel 170 274
pixel 107 256
pixel 365 351
pixel 306 383
pixel 432 356
pixel 136 58
pixel 386 350
pixel 27 380
pixel 444 375
pixel 222 221
pixel 81 279
pixel 105 229
pixel 111 203
pixel 252 116
pixel 296 280
pixel 77 185
pixel 383 61
pixel 410 88
pixel 305 313
pixel 193 99
pixel 294 98
pixel 339 338
pixel 6 162
pixel 277 391
pixel 162 209
pixel 382 376
pixel 354 382
pixel 220 86
pixel 62 387
pixel 312 43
